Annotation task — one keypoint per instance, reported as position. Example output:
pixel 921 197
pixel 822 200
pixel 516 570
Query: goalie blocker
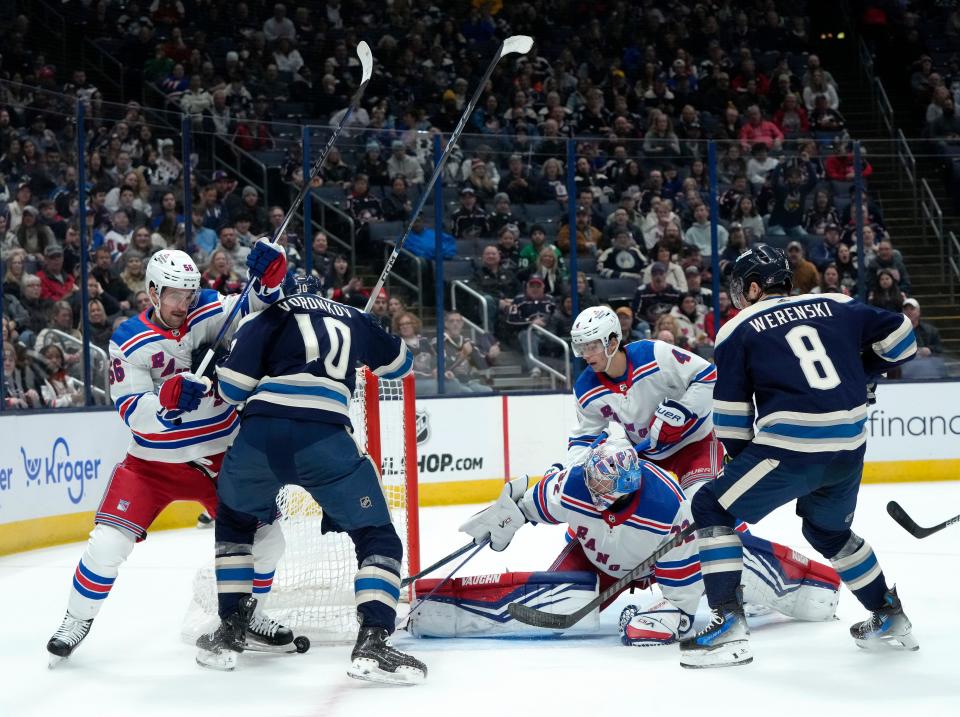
pixel 775 577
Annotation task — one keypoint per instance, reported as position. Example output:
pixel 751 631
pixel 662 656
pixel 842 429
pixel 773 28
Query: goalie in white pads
pixel 618 509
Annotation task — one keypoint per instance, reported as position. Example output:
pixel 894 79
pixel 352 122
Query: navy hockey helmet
pixel 764 264
pixel 299 284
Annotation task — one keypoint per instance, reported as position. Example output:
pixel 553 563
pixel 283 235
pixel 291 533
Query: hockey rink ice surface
pixel 133 662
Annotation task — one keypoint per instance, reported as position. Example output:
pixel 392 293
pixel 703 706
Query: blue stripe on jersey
pixel 231 392
pixel 672 564
pixel 840 430
pixel 403 370
pixel 577 509
pixel 595 396
pixel 721 419
pixel 140 344
pixel 901 348
pixel 276 386
pixel 167 445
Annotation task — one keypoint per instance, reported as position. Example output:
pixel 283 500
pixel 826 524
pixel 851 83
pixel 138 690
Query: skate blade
pixel 368 670
pixel 223 661
pixel 729 654
pixel 898 642
pixel 54 660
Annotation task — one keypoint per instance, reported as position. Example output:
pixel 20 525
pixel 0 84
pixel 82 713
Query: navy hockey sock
pixel 377 584
pixel 234 558
pixel 721 563
pixel 853 558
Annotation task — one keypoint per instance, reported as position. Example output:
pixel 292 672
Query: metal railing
pixel 414 285
pixel 322 223
pixel 933 219
pixel 866 64
pixel 241 164
pixel 107 67
pixel 537 361
pixel 885 117
pixel 954 264
pixel 99 359
pixel 484 325
pixel 908 167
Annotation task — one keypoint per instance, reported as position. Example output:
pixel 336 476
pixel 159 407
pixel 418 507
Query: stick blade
pixel 521 44
pixel 366 61
pixel 904 521
pixel 531 616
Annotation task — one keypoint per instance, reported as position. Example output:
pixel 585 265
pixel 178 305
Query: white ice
pixel 134 664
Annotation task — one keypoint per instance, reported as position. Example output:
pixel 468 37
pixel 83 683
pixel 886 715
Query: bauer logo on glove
pixel 670 422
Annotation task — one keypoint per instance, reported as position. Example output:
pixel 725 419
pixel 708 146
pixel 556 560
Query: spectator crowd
pixel 637 87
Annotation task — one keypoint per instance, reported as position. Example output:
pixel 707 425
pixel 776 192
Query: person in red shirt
pixel 727 312
pixel 839 166
pixel 758 130
pixel 55 284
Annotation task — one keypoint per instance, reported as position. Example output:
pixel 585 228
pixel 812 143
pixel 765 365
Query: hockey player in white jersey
pixel 657 392
pixel 618 509
pixel 179 430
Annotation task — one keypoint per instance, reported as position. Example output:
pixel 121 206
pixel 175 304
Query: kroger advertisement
pixel 54 464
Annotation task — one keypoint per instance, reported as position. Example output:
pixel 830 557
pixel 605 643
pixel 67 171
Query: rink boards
pixel 55 466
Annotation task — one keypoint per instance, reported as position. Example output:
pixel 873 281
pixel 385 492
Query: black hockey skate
pixel 221 649
pixel 886 627
pixel 66 639
pixel 722 643
pixel 264 634
pixel 375 660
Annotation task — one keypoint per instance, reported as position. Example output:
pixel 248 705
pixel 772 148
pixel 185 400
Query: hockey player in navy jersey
pixel 292 368
pixel 179 431
pixel 790 406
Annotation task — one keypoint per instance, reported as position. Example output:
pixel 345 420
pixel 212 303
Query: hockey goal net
pixel 313 587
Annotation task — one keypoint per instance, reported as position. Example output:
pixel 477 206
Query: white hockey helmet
pixel 172 269
pixel 598 323
pixel 612 471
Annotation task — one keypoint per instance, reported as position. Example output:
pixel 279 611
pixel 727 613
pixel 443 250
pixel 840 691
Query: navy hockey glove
pixel 268 263
pixel 182 393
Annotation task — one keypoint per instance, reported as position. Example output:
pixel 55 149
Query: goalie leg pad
pixel 780 578
pixel 476 606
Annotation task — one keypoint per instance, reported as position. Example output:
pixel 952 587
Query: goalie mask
pixel 612 472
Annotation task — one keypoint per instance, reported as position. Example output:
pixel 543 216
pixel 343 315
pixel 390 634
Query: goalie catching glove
pixel 660 624
pixel 501 520
pixel 670 421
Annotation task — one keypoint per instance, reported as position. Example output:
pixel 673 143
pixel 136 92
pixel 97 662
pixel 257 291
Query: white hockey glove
pixel 660 624
pixel 501 520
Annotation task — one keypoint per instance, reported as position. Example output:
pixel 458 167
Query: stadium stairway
pixel 895 195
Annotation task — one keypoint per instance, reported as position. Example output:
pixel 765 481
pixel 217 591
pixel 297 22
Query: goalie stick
pixel 908 523
pixel 440 563
pixel 539 618
pixel 366 64
pixel 514 44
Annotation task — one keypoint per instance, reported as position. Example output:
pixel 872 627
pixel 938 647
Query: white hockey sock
pixel 97 570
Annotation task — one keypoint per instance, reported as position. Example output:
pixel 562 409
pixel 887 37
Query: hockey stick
pixel 439 564
pixel 366 63
pixel 478 547
pixel 513 44
pixel 539 618
pixel 908 523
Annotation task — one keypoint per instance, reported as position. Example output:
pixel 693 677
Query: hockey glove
pixel 182 393
pixel 670 421
pixel 501 520
pixel 660 624
pixel 268 263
